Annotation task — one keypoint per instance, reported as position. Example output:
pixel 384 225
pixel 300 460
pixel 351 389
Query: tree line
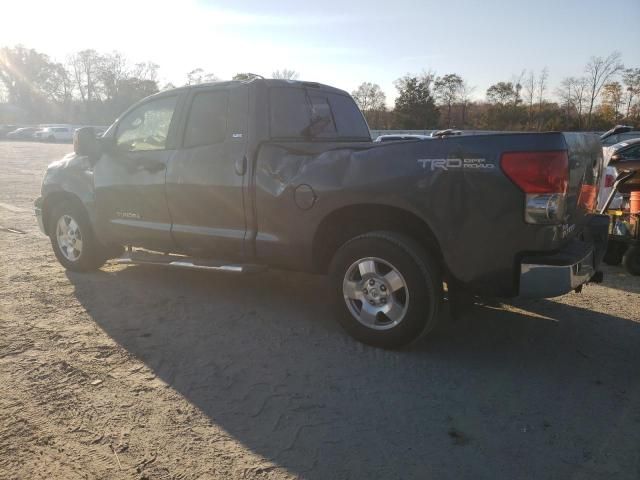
pixel 606 94
pixel 94 88
pixel 89 87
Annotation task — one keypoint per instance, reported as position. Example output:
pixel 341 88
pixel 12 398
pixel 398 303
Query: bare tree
pixel 146 71
pixel 466 91
pixel 599 70
pixel 447 91
pixel 517 81
pixel 369 96
pixel 285 74
pixel 529 96
pixel 111 71
pixel 85 66
pixel 565 93
pixel 541 88
pixel 371 100
pixel 631 79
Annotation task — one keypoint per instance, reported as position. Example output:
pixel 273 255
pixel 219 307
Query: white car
pixel 55 134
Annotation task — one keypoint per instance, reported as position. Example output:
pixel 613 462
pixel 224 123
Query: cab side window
pixel 146 128
pixel 207 123
pixel 307 114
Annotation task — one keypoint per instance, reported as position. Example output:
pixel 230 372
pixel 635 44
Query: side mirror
pixel 615 158
pixel 85 142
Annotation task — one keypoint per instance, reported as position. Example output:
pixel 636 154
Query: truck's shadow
pixel 497 394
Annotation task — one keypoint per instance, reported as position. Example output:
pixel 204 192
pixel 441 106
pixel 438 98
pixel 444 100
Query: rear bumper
pixel 545 276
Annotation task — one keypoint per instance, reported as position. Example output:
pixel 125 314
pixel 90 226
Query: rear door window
pixel 289 112
pixel 207 122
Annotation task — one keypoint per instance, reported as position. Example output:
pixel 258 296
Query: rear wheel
pixel 615 252
pixel 73 240
pixel 631 260
pixel 387 289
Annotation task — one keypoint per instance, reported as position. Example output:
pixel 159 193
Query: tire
pixel 76 248
pixel 386 288
pixel 614 254
pixel 631 260
pixel 51 139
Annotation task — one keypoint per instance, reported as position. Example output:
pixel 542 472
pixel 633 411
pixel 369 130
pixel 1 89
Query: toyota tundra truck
pixel 239 176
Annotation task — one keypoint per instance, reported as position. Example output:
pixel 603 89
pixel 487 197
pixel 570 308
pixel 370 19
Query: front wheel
pixel 387 289
pixel 73 240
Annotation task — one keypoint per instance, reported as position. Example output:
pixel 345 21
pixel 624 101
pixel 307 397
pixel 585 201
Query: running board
pixel 148 258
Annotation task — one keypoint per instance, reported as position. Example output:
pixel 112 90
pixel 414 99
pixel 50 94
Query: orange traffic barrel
pixel 634 202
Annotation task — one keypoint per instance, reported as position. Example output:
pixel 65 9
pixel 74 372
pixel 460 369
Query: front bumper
pixel 38 212
pixel 545 276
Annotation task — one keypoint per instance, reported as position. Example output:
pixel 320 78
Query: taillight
pixel 543 177
pixel 537 172
pixel 609 180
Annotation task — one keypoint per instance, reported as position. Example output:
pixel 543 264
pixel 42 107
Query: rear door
pixel 206 178
pixel 129 178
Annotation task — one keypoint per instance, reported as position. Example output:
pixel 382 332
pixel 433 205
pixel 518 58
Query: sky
pixel 336 42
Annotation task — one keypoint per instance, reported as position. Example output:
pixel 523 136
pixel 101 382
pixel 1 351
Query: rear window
pixel 349 120
pixel 296 113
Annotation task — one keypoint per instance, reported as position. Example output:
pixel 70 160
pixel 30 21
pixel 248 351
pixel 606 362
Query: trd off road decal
pixel 447 164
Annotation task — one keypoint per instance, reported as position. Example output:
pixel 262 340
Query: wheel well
pixel 348 222
pixel 51 201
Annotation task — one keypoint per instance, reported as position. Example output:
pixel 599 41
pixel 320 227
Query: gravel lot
pixel 142 372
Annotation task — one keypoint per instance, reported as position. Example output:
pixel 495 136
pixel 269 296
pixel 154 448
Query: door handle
pixel 241 165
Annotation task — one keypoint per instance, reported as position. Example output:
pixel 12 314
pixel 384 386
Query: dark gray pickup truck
pixel 237 176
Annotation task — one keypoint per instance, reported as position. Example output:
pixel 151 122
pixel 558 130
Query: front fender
pixel 70 178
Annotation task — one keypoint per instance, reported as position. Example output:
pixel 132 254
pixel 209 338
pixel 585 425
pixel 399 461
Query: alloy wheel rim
pixel 69 238
pixel 376 293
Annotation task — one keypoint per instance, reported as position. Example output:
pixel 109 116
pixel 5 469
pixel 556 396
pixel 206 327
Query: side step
pixel 138 257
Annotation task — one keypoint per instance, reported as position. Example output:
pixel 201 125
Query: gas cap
pixel 304 196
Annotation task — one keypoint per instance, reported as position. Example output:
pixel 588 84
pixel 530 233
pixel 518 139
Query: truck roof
pixel 269 82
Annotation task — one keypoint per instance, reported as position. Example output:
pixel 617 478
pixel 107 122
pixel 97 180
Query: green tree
pixel 612 96
pixel 447 90
pixel 245 76
pixel 415 107
pixel 502 93
pixel 505 110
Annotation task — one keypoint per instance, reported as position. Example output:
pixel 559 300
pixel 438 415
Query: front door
pixel 205 179
pixel 129 178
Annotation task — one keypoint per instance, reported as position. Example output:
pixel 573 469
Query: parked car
pixel 4 129
pixel 23 133
pixel 242 175
pixel 55 134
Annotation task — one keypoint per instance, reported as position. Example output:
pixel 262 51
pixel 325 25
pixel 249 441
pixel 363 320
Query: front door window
pixel 146 128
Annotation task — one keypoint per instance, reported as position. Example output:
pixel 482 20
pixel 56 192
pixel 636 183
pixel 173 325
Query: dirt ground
pixel 143 372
